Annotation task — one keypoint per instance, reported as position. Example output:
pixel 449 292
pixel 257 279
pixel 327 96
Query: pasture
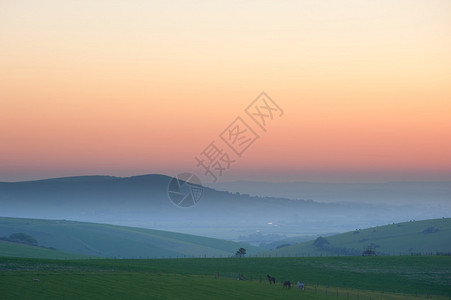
pixel 403 277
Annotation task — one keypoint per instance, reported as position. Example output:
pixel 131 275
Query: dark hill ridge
pixel 142 201
pixel 407 192
pixel 93 178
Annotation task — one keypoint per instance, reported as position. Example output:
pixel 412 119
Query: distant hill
pixel 103 240
pixel 142 201
pixel 422 193
pixel 414 237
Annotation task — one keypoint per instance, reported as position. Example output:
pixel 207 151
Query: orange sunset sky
pixel 135 87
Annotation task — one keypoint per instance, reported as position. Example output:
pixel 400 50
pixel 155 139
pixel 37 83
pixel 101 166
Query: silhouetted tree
pixel 240 252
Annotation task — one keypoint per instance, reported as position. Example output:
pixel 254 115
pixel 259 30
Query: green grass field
pixel 403 277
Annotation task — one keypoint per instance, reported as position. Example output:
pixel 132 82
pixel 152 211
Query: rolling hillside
pixel 142 201
pixel 415 237
pixel 19 250
pixel 111 241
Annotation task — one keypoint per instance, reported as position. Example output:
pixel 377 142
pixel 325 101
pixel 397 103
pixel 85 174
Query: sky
pixel 360 90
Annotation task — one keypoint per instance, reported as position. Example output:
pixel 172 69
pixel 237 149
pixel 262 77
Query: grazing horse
pixel 287 284
pixel 271 279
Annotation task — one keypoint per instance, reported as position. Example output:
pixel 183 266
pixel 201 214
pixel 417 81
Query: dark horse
pixel 271 279
pixel 287 284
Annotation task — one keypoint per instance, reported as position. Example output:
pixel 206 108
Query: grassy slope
pixel 402 238
pixel 118 241
pixel 194 278
pixel 19 250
